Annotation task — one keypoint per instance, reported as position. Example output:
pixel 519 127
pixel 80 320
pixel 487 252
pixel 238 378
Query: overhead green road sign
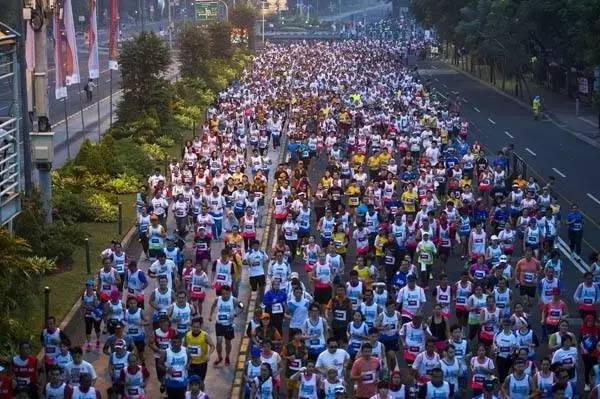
pixel 206 11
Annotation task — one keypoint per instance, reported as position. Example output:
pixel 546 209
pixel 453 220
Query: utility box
pixel 42 147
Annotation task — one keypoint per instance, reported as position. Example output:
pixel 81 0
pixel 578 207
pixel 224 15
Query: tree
pixel 194 50
pixel 20 282
pixel 220 39
pixel 144 63
pixel 243 16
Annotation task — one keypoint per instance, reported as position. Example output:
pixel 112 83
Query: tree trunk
pixel 492 77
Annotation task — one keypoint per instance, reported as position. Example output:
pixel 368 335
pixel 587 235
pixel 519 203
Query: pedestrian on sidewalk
pixel 89 89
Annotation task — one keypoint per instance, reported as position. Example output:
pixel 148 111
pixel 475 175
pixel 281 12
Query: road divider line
pixel 436 79
pixel 509 135
pixel 441 95
pixel 558 172
pixel 465 100
pixel 491 121
pixel 529 151
pixel 445 85
pixel 476 109
pixel 434 67
pixel 564 248
pixel 596 200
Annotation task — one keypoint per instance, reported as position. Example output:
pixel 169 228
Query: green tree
pixel 20 281
pixel 194 50
pixel 144 63
pixel 220 39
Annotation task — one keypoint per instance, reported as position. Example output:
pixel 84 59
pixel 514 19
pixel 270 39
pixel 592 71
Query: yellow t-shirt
pixel 364 275
pixel 358 159
pixel 341 243
pixel 409 200
pixel 373 162
pixel 197 347
pixel 380 242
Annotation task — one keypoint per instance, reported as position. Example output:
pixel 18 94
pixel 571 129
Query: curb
pixel 548 115
pixel 238 379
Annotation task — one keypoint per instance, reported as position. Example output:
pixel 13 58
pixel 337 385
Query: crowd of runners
pixel 406 262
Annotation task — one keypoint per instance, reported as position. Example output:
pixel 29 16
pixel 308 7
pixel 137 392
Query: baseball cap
pixel 194 379
pixel 494 237
pixel 119 344
pixel 556 291
pixel 89 283
pixel 503 258
pixel 114 295
pixel 255 351
pixel 294 275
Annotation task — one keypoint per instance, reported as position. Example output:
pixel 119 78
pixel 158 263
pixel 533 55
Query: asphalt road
pixel 571 276
pixel 548 149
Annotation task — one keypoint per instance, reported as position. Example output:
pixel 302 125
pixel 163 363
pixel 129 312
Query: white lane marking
pixel 436 79
pixel 529 151
pixel 564 248
pixel 465 100
pixel 558 172
pixel 589 122
pixel 434 67
pixel 491 121
pixel 596 200
pixel 476 109
pixel 443 96
pixel 445 85
pixel 509 135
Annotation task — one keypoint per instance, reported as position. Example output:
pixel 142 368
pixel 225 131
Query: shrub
pixel 70 206
pixel 56 241
pixel 165 141
pixel 104 210
pixel 123 184
pixel 155 152
pixel 131 158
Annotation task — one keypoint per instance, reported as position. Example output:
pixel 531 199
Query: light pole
pixel 170 27
pixel 263 11
pixel 226 9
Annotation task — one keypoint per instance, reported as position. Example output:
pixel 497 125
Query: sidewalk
pixel 558 108
pixel 77 133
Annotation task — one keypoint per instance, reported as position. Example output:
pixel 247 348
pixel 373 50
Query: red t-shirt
pixel 368 371
pixel 6 391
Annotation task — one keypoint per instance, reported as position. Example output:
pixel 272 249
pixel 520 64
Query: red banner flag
pixel 60 88
pixel 113 39
pixel 71 59
pixel 93 63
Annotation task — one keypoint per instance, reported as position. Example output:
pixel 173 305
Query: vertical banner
pixel 60 89
pixel 113 39
pixel 93 63
pixel 71 58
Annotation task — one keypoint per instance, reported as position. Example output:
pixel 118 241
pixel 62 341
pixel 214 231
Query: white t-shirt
pixel 72 372
pixel 164 270
pixel 337 359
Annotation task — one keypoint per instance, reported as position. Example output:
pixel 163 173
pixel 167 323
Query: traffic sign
pixel 206 11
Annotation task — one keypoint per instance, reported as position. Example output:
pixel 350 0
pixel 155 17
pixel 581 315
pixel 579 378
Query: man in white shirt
pixel 333 357
pixel 163 267
pixel 75 369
